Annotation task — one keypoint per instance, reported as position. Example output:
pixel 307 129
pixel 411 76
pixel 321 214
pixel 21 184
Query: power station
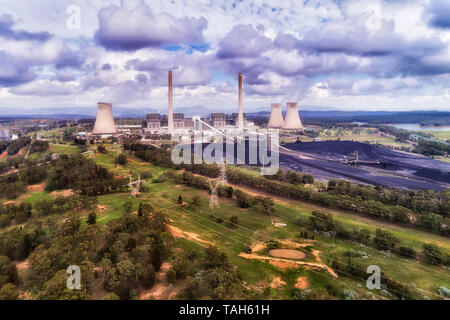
pixel 292 120
pixel 104 122
pixel 156 123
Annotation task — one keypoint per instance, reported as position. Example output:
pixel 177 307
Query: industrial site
pixel 224 156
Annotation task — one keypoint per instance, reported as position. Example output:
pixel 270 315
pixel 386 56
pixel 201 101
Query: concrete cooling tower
pixel 276 117
pixel 104 123
pixel 292 119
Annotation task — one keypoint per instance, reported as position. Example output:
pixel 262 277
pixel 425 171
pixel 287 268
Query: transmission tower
pixel 213 199
pixel 135 186
pixel 223 174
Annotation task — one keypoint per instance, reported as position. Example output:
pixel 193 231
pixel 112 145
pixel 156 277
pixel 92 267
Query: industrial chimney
pixel 276 117
pixel 240 108
pixel 104 123
pixel 292 119
pixel 170 113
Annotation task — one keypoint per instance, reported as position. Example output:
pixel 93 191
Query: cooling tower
pixel 104 123
pixel 240 108
pixel 276 117
pixel 170 113
pixel 292 119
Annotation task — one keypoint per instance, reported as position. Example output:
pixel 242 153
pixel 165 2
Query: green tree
pixel 385 240
pixel 122 159
pixel 433 254
pixel 234 221
pixel 196 201
pixel 9 292
pixel 92 218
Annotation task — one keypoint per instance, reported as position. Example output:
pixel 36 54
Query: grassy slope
pixel 258 227
pixel 255 227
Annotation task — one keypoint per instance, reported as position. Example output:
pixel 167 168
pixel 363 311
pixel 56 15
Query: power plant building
pixel 276 117
pixel 292 120
pixel 153 121
pixel 104 122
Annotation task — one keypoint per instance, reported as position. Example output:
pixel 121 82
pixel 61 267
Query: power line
pixel 423 290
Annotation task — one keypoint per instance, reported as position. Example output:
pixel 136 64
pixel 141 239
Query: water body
pixel 418 127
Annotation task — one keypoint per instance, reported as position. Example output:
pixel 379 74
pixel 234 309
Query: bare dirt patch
pixel 178 233
pixel 284 264
pixel 302 283
pixel 4 153
pixel 36 187
pixel 277 282
pixel 64 193
pixel 162 290
pixel 22 265
pixel 287 253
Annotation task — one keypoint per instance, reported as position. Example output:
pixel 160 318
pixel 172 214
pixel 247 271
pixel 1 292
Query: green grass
pixel 257 227
pixel 441 135
pixel 113 207
pixel 37 196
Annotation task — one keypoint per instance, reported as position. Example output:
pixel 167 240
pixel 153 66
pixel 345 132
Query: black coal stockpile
pixel 426 172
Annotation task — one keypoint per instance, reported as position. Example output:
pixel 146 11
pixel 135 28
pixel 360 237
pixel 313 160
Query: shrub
pixel 433 254
pixel 92 218
pixel 407 252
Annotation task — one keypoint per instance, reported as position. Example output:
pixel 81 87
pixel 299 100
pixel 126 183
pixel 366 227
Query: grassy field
pixel 201 226
pixel 370 135
pixel 441 135
pixel 255 227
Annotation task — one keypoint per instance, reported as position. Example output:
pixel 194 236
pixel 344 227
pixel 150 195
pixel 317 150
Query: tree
pixel 308 179
pixel 101 149
pixel 234 221
pixel 229 192
pixel 128 206
pixel 433 254
pixel 149 277
pixel 92 218
pixel 180 199
pixel 331 184
pixel 196 201
pixel 122 159
pixel 145 208
pixel 111 296
pixel 71 226
pixel 9 292
pixel 385 240
pixel 56 288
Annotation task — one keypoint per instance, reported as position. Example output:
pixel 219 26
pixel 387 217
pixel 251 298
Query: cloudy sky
pixel 345 54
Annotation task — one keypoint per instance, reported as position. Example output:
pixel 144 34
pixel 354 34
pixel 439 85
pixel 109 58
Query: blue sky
pixel 351 55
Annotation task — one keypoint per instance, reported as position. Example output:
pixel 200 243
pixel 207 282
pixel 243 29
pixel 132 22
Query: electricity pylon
pixel 213 199
pixel 223 174
pixel 135 186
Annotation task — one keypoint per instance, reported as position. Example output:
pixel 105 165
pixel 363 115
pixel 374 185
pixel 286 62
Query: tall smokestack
pixel 104 122
pixel 292 119
pixel 170 113
pixel 276 117
pixel 240 109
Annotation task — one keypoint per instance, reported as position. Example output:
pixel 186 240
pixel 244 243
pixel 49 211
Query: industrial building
pixel 104 122
pixel 276 117
pixel 160 123
pixel 292 120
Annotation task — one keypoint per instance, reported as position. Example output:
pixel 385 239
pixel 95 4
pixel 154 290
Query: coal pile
pixel 401 170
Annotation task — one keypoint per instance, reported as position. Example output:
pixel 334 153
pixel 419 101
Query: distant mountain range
pixel 312 112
